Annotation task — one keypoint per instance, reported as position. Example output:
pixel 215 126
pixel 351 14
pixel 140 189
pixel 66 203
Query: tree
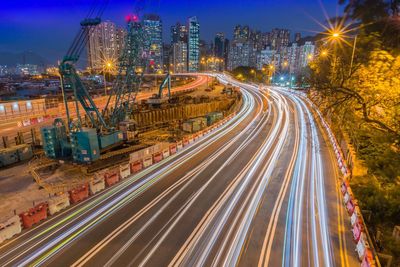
pixel 370 91
pixel 377 16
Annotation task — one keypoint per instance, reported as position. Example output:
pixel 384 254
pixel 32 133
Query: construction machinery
pixel 104 130
pixel 157 100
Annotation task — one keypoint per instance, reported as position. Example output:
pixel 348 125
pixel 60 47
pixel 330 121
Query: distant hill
pixel 27 57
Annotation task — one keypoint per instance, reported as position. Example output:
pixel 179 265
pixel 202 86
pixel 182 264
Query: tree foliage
pixel 363 100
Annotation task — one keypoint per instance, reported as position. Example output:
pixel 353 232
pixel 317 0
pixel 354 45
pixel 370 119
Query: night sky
pixel 48 27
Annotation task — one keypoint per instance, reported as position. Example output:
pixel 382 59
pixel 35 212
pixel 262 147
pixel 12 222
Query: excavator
pixel 158 100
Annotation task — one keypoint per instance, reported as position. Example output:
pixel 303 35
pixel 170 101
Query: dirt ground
pixel 18 191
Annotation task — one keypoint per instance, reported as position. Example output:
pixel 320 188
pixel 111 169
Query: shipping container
pixel 213 117
pixel 8 156
pixel 195 125
pixel 24 152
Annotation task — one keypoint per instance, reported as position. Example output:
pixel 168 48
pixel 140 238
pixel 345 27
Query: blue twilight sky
pixel 47 27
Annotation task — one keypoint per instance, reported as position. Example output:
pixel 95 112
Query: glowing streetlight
pixel 107 67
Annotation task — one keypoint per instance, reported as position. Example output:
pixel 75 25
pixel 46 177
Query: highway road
pixel 259 191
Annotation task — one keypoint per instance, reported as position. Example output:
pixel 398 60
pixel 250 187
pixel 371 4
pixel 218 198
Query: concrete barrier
pixel 58 203
pixel 124 171
pixel 10 228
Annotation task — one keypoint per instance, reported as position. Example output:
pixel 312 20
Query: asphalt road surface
pixel 259 191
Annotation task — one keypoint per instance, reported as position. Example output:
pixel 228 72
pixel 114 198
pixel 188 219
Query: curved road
pixel 259 191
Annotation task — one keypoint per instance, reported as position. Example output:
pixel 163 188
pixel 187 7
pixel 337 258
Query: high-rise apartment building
pixel 297 37
pixel 279 38
pixel 105 45
pixel 219 45
pixel 193 44
pixel 179 48
pixel 306 54
pixel 179 33
pixel 179 57
pixel 152 27
pixel 241 33
pixel 239 54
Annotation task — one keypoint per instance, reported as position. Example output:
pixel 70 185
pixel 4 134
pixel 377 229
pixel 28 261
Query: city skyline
pixel 55 42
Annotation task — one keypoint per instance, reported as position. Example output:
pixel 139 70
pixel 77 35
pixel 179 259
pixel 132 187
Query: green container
pixel 8 156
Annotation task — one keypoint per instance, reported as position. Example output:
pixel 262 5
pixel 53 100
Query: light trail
pixel 188 249
pixel 197 170
pixel 273 204
pixel 109 206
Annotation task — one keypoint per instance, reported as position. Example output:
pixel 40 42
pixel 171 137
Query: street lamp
pixel 255 73
pixel 338 35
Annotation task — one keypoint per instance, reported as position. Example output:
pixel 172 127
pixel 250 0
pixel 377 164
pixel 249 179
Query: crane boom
pixel 132 65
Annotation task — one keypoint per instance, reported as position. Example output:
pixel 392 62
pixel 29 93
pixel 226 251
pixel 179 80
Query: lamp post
pixel 352 54
pixel 337 35
pixel 108 66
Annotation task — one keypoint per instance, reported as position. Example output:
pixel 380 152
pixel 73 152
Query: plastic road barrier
pixel 362 246
pixel 10 228
pixel 179 145
pixel 111 176
pixel 172 149
pixel 136 166
pixel 78 194
pixel 157 157
pixel 165 153
pixel 34 215
pixel 124 170
pixel 58 203
pixel 97 184
pixel 185 141
pixel 148 161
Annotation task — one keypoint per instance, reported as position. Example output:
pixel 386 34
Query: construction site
pixel 89 144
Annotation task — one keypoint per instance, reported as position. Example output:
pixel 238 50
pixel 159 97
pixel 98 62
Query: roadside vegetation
pixel 362 101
